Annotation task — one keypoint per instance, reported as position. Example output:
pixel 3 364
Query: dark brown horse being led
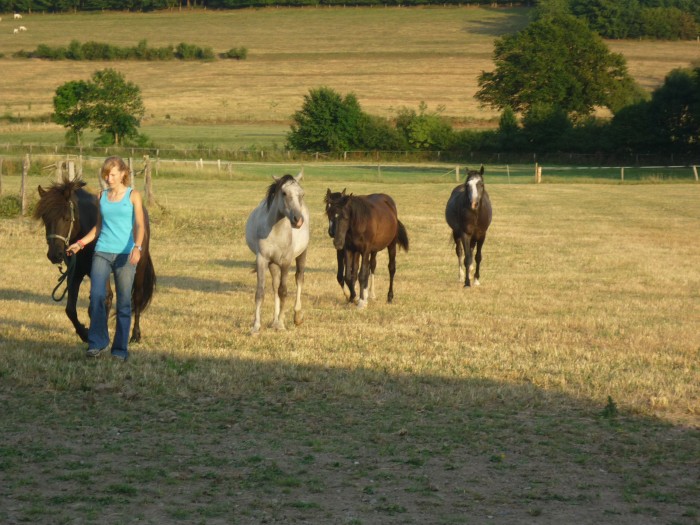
pixel 68 213
pixel 366 225
pixel 468 213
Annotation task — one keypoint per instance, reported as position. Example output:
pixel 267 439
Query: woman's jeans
pixel 103 264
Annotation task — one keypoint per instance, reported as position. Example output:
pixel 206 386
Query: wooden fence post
pixel 538 174
pixel 148 185
pixel 457 174
pixel 622 173
pixel 508 172
pixel 131 170
pixel 695 170
pixel 23 187
pixel 71 170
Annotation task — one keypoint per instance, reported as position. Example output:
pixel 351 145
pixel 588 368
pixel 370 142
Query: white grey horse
pixel 277 232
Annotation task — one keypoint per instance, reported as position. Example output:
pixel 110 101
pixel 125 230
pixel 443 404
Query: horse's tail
pixel 143 289
pixel 402 236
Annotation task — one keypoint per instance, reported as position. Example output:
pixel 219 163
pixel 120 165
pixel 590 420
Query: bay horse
pixel 68 212
pixel 367 225
pixel 348 260
pixel 277 232
pixel 468 213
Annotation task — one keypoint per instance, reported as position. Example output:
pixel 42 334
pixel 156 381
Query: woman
pixel 119 232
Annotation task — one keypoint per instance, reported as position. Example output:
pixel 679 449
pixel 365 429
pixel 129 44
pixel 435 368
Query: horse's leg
pixel 260 269
pixel 279 289
pixel 340 276
pixel 458 251
pixel 364 278
pixel 472 244
pixel 71 307
pixel 136 300
pixel 299 278
pixel 351 259
pixel 391 249
pixel 479 244
pixel 467 258
pixel 372 268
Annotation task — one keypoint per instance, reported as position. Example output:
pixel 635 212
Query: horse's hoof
pixel 467 285
pixel 361 304
pixel 298 318
pixel 255 330
pixel 476 282
pixel 277 325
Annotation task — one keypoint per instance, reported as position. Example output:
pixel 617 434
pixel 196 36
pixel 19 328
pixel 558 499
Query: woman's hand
pixel 73 249
pixel 135 256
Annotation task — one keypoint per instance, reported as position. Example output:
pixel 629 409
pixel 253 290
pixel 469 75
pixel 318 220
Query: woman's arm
pixel 139 227
pixel 89 236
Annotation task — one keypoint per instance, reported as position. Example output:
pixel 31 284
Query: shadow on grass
pixel 234 440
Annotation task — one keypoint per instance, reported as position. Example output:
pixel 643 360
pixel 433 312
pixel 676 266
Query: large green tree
pixel 107 103
pixel 72 108
pixel 555 61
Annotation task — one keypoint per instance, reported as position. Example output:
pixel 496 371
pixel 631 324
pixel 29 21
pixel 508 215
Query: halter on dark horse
pixel 468 213
pixel 68 213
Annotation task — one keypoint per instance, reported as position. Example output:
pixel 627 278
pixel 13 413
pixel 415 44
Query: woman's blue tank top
pixel 117 232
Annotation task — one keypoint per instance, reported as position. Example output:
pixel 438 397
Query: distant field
pixel 389 57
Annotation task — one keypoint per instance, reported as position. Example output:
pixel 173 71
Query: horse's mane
pixel 52 205
pixel 275 186
pixel 359 208
pixel 336 199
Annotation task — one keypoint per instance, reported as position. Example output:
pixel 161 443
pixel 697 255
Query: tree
pixel 326 122
pixel 555 61
pixel 107 102
pixel 71 108
pixel 424 130
pixel 117 105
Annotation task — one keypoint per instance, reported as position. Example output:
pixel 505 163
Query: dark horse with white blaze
pixel 366 225
pixel 69 212
pixel 468 213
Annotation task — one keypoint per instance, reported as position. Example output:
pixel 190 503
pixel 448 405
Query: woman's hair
pixel 117 162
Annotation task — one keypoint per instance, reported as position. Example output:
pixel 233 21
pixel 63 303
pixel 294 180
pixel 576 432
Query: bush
pixel 238 53
pixel 10 206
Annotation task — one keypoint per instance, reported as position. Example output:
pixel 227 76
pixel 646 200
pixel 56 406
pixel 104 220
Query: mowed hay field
pixel 564 389
pixel 389 57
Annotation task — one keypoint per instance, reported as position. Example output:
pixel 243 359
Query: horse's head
pixel 341 223
pixel 288 195
pixel 475 187
pixel 58 210
pixel 334 202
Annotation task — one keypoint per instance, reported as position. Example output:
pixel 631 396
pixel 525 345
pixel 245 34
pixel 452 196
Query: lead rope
pixel 69 261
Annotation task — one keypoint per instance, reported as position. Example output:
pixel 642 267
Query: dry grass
pixel 390 58
pixel 491 403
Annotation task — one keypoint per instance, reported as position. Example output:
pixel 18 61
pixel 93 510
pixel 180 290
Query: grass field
pixel 389 57
pixel 564 389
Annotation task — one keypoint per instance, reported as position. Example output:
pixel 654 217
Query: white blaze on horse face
pixel 293 196
pixel 474 193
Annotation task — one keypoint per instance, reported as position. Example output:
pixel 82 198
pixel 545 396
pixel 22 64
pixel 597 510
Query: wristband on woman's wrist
pixel 80 243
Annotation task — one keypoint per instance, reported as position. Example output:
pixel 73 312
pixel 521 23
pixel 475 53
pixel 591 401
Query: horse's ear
pixel 42 191
pixel 276 179
pixel 481 172
pixel 343 194
pixel 299 176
